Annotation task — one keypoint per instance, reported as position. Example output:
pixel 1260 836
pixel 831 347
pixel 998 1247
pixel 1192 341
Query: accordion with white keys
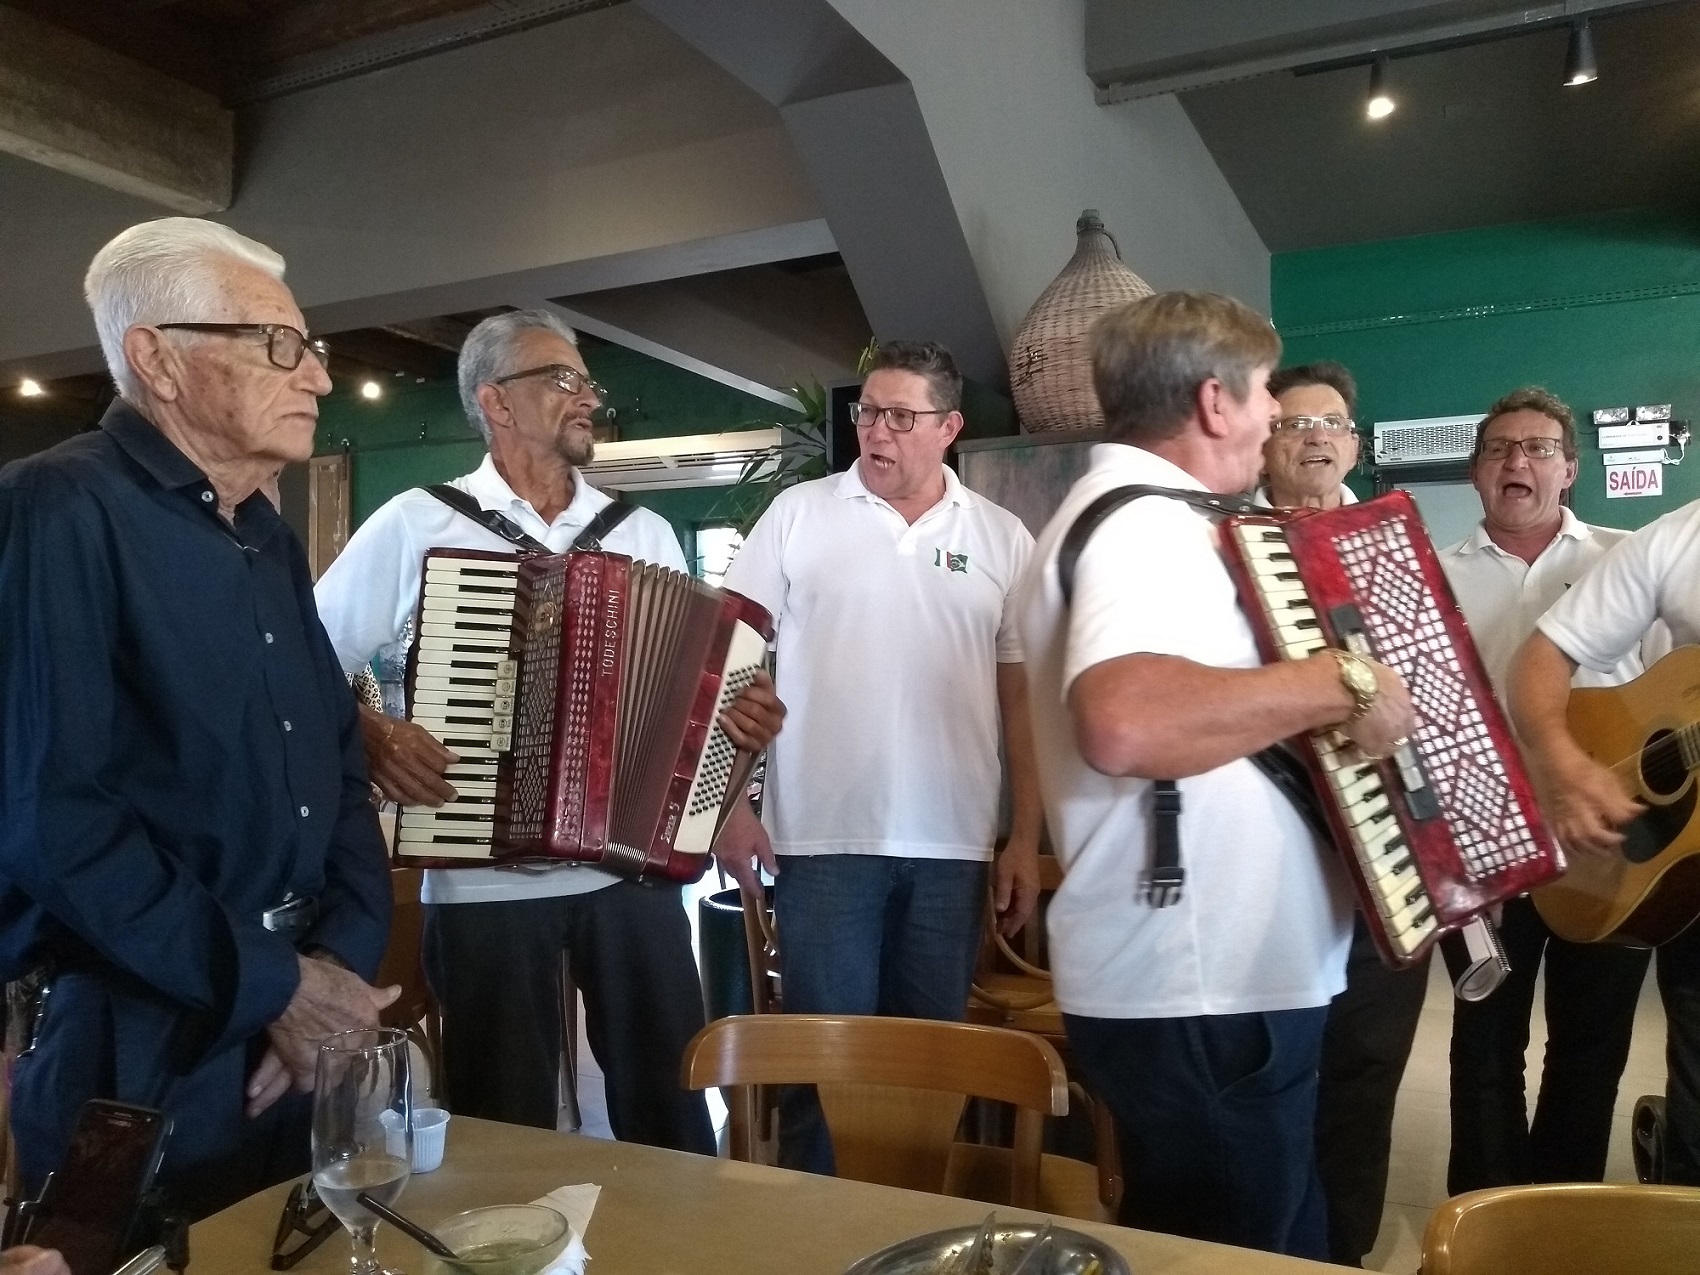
pixel 1449 826
pixel 581 693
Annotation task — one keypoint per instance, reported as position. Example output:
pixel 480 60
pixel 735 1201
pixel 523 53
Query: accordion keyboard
pixel 464 695
pixel 1358 789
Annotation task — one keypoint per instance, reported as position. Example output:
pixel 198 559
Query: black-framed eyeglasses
pixel 305 1223
pixel 569 380
pixel 1533 448
pixel 285 346
pixel 900 419
pixel 1333 423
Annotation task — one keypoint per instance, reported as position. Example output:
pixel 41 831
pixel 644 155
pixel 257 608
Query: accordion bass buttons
pixel 502 723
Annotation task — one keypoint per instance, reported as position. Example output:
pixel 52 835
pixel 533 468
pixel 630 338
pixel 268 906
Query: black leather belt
pixel 293 917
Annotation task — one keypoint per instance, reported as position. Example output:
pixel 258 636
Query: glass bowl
pixel 506 1239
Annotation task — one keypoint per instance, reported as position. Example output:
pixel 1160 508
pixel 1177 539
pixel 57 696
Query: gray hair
pixel 486 354
pixel 164 271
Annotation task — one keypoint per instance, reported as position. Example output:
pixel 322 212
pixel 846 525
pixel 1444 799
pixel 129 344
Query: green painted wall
pixel 416 434
pixel 1603 311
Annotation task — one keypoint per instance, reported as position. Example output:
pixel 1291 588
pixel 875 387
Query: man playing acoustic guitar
pixel 1648 577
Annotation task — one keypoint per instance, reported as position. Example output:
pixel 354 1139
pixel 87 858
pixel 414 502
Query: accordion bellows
pixel 1050 360
pixel 582 694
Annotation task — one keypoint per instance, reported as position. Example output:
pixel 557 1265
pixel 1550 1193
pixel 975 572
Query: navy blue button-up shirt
pixel 179 750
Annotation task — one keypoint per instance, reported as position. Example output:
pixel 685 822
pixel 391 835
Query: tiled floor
pixel 1416 1179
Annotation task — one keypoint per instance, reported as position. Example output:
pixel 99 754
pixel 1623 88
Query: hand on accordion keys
pixel 405 760
pixel 1381 725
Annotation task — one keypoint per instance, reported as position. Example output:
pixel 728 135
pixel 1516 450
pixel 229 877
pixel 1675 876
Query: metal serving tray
pixel 941 1252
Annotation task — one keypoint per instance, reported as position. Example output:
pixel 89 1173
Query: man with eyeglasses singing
pixel 891 586
pixel 495 938
pixel 1522 559
pixel 1314 444
pixel 1366 1040
pixel 190 867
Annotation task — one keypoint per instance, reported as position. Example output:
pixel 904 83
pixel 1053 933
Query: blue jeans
pixel 1216 1117
pixel 870 934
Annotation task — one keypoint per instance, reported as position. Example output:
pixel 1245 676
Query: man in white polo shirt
pixel 1198 1019
pixel 495 938
pixel 1314 443
pixel 1527 551
pixel 1651 576
pixel 897 655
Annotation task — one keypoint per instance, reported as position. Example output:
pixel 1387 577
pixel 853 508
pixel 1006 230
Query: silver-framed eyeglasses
pixel 569 380
pixel 900 419
pixel 285 346
pixel 1533 448
pixel 1333 423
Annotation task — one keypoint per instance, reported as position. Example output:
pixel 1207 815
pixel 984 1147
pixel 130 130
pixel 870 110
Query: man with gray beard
pixel 494 937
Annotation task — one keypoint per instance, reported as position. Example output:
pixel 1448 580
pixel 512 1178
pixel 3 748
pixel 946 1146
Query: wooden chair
pixel 1570 1228
pixel 1012 988
pixel 415 1010
pixel 892 1089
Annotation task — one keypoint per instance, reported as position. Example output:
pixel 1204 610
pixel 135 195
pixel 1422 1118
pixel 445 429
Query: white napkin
pixel 576 1204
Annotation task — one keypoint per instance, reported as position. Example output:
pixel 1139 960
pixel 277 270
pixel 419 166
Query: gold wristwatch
pixel 1359 680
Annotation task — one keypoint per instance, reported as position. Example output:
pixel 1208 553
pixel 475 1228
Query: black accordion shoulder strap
pixel 598 527
pixel 501 525
pixel 1166 880
pixel 493 522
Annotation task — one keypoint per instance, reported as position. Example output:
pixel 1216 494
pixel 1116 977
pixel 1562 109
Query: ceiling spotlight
pixel 30 389
pixel 371 389
pixel 1581 64
pixel 1380 104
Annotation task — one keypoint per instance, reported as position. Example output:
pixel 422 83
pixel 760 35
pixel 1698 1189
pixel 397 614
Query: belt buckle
pixel 293 913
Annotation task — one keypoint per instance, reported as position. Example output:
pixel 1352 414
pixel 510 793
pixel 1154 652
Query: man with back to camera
pixel 495 937
pixel 188 851
pixel 1528 550
pixel 891 587
pixel 1198 1019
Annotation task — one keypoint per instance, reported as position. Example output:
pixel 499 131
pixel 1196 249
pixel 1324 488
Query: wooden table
pixel 668 1213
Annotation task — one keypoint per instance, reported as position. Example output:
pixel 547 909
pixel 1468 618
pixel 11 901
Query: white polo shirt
pixel 371 591
pixel 1652 575
pixel 1266 915
pixel 889 637
pixel 1502 596
pixel 1261 496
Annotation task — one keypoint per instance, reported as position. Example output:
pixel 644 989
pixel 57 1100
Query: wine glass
pixel 362 1079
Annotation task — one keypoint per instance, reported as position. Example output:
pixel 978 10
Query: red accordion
pixel 1449 825
pixel 582 694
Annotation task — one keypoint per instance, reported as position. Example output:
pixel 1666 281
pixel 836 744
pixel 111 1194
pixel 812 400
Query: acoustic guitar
pixel 1648 889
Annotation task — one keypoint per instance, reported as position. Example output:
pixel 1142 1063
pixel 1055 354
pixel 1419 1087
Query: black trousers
pixel 1679 986
pixel 1365 1046
pixel 1591 990
pixel 1216 1117
pixel 106 1037
pixel 495 970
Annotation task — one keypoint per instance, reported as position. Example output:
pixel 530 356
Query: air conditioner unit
pixel 696 460
pixel 1425 441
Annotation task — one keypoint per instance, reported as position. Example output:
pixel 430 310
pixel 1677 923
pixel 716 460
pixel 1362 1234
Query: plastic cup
pixel 430 1130
pixel 509 1239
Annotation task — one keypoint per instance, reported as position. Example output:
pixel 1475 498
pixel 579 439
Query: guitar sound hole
pixel 1662 769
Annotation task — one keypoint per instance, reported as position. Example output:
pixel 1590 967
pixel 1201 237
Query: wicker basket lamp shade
pixel 1050 363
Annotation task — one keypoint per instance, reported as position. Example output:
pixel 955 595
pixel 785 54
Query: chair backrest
pixel 892 1089
pixel 1570 1228
pixel 402 963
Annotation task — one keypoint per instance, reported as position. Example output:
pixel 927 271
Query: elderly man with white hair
pixel 495 938
pixel 189 860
